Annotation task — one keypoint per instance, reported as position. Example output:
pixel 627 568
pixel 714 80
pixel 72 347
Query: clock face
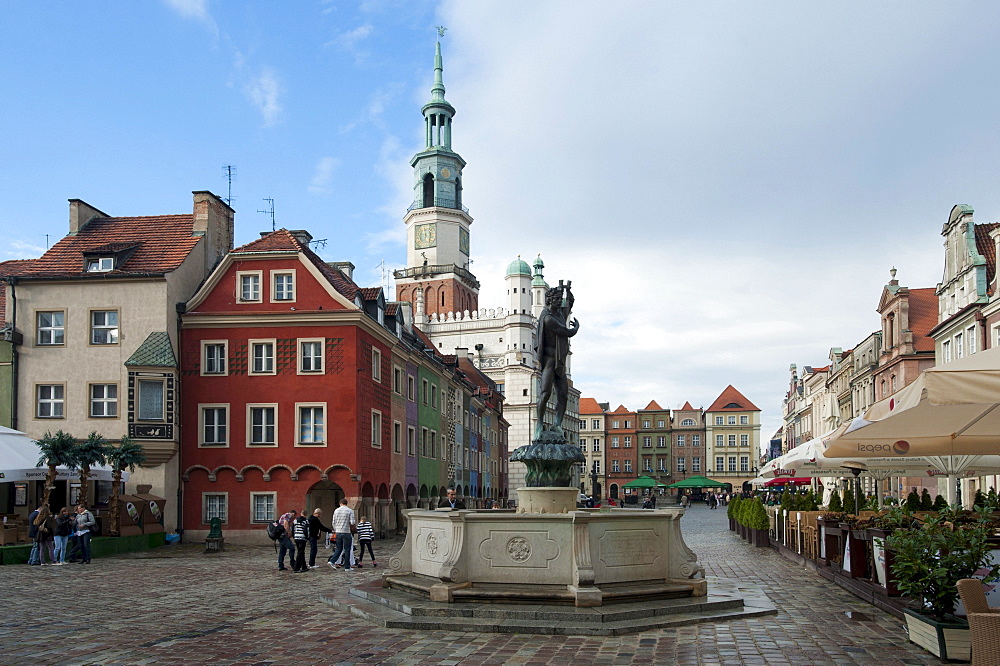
pixel 463 241
pixel 424 235
pixel 446 172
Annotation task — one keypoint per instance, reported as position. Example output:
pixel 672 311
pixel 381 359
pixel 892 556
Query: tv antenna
pixel 270 212
pixel 230 172
pixel 318 243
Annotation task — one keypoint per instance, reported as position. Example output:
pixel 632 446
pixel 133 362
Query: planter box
pixel 882 560
pixel 946 640
pixel 760 538
pixel 858 555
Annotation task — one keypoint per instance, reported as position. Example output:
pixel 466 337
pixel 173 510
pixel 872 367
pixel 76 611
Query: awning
pixel 19 455
pixel 797 481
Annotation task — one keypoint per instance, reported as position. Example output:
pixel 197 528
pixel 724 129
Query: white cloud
pixel 196 10
pixel 17 249
pixel 323 175
pixel 351 41
pixel 264 91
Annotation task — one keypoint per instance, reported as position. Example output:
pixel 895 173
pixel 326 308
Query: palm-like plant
pixel 127 454
pixel 89 452
pixel 57 450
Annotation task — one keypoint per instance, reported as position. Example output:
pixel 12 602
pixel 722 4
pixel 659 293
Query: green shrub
pixel 940 503
pixel 849 506
pixel 835 505
pixel 734 504
pixel 913 501
pixel 757 518
pixel 926 503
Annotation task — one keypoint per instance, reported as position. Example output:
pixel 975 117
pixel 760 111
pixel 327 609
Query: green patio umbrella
pixel 645 482
pixel 698 482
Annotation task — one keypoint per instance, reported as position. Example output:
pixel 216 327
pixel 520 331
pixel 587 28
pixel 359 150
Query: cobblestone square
pixel 176 605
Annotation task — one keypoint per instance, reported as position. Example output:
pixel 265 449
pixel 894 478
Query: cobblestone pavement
pixel 175 605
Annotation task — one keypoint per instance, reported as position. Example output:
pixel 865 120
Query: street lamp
pixel 856 469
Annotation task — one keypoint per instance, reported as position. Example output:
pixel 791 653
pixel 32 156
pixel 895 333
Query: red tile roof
pixel 923 310
pixel 162 243
pixel 590 406
pixel 652 406
pixel 687 406
pixel 621 410
pixel 390 309
pixel 731 396
pixel 986 248
pixel 370 293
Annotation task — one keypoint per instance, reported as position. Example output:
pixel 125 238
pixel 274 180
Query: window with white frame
pixel 719 420
pixel 214 357
pixel 103 400
pixel 376 429
pixel 262 425
pixel 732 440
pixel 732 420
pixel 720 464
pixel 732 463
pixel 720 440
pixel 151 405
pixel 628 465
pixel 695 440
pixel 283 285
pixel 681 440
pixel 397 437
pixel 614 442
pixel 628 424
pixel 100 264
pixel 687 422
pixel 744 420
pixel 959 346
pixel 262 357
pixel 946 348
pixel 104 327
pixel 645 423
pixel 411 441
pixel 647 442
pixel 615 466
pixel 214 425
pixel 425 391
pixel 744 464
pixel 659 423
pixel 50 328
pixel 411 392
pixel 311 426
pixel 248 286
pixel 647 464
pixel 661 464
pixel 310 356
pixel 661 441
pixel 434 396
pixel 397 380
pixel 262 507
pixel 696 464
pixel 597 466
pixel 681 464
pixel 744 440
pixel 615 424
pixel 628 441
pixel 50 403
pixel 434 444
pixel 596 447
pixel 425 442
pixel 970 340
pixel 376 365
pixel 214 505
pixel 595 424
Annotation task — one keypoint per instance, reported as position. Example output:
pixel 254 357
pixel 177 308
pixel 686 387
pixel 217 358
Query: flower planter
pixel 882 559
pixel 946 640
pixel 760 538
pixel 732 524
pixel 833 542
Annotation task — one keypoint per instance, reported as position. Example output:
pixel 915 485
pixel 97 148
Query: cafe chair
pixel 984 623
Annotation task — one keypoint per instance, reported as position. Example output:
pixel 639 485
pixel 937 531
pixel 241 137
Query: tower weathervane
pixel 440 30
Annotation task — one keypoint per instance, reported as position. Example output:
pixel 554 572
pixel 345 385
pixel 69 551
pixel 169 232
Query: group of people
pixel 62 537
pixel 716 499
pixel 298 531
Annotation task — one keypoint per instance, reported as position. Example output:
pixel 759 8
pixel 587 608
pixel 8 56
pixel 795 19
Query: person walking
pixel 64 528
pixel 32 534
pixel 344 522
pixel 285 544
pixel 365 535
pixel 45 529
pixel 316 526
pixel 300 534
pixel 85 523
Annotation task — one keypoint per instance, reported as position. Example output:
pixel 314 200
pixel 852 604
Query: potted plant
pixel 734 504
pixel 881 527
pixel 758 524
pixel 929 560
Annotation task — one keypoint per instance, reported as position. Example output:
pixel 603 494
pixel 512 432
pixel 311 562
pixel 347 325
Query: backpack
pixel 275 530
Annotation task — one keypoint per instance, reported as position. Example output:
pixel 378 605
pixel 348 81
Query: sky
pixel 727 184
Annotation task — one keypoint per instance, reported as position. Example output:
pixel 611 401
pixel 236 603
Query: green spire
pixel 437 92
pixel 438 112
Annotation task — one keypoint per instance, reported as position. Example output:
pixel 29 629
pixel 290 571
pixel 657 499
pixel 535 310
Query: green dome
pixel 518 267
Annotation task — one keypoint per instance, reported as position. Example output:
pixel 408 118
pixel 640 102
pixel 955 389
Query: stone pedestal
pixel 546 500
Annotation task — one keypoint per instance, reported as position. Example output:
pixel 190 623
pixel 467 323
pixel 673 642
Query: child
pixel 300 532
pixel 365 535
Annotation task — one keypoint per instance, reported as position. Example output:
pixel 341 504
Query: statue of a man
pixel 552 344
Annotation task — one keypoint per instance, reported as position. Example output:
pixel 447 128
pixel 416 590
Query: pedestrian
pixel 344 523
pixel 45 529
pixel 315 527
pixel 64 528
pixel 496 504
pixel 85 523
pixel 685 501
pixel 652 500
pixel 365 535
pixel 451 501
pixel 647 503
pixel 32 533
pixel 285 544
pixel 300 534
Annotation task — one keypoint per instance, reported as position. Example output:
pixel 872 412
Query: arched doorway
pixel 613 491
pixel 325 495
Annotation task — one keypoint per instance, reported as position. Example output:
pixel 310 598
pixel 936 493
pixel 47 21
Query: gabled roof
pixel 370 293
pixel 283 240
pixel 161 243
pixel 156 351
pixel 620 410
pixel 10 268
pixel 733 401
pixel 687 406
pixel 652 406
pixel 590 406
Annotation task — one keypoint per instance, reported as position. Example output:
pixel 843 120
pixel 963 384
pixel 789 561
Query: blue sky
pixel 727 184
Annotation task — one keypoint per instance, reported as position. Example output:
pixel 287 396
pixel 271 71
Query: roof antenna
pixel 230 171
pixel 318 244
pixel 269 212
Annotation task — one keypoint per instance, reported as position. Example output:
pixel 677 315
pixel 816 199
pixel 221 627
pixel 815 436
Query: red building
pixel 622 447
pixel 287 374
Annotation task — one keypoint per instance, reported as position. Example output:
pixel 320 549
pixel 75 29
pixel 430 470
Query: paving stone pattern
pixel 176 605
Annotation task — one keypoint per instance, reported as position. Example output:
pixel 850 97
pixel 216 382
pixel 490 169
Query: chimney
pixel 81 213
pixel 345 267
pixel 212 218
pixel 301 235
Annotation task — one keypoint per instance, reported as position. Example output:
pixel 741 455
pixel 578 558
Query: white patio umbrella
pixel 19 455
pixel 949 415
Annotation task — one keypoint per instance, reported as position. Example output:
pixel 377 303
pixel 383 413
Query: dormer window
pixel 100 264
pixel 358 301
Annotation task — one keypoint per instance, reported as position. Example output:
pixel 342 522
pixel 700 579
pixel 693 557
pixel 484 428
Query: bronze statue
pixel 552 344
